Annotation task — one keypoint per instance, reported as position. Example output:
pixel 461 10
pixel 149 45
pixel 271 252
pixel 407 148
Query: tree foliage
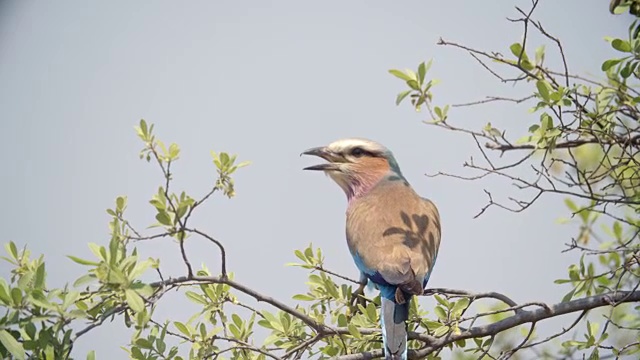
pixel 583 145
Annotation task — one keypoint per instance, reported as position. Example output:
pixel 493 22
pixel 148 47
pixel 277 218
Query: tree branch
pixel 321 328
pixel 524 317
pixel 519 318
pixel 615 140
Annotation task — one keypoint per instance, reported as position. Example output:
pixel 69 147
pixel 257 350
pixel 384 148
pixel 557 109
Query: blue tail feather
pixel 393 318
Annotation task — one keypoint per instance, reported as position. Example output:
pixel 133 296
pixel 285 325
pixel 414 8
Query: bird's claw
pixel 357 297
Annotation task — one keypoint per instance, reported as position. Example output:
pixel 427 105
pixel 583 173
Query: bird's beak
pixel 322 152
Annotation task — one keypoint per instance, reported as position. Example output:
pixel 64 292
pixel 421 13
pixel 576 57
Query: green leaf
pixel 413 84
pixel 224 159
pixel 353 330
pixel 16 296
pixel 441 313
pixel 608 64
pixel 160 345
pixel 617 230
pixel 401 96
pixel 301 256
pixel 308 253
pixel 134 300
pixel 571 205
pixel 460 305
pixel 137 354
pixel 121 202
pixel 621 45
pixel 197 298
pixel 628 69
pixel 143 127
pixel 70 298
pixel 438 111
pixel 91 355
pixel 516 49
pixel 428 66
pixel 540 54
pixel 98 251
pixel 174 151
pixel 555 96
pixel 243 164
pixel 342 320
pixel 24 281
pixel 422 70
pixel 12 345
pixel 574 274
pixel 371 312
pixel 82 261
pixel 12 249
pixel 159 205
pixel 568 296
pixel 441 331
pixel 144 343
pixel 4 292
pixel 543 89
pixel 84 279
pixel 411 74
pixel 182 328
pixel 400 74
pixel 270 321
pixel 592 328
pixel 527 65
pixel 163 218
pixel 40 277
pixel 442 301
pixel 236 320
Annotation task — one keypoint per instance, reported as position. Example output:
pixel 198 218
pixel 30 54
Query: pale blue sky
pixel 265 80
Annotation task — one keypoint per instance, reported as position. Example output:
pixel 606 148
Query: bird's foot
pixel 399 296
pixel 357 297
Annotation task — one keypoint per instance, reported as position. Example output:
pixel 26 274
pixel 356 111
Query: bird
pixel 393 234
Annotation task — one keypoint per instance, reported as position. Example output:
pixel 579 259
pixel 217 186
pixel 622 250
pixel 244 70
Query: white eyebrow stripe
pixel 345 145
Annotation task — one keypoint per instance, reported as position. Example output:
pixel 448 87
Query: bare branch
pixel 620 141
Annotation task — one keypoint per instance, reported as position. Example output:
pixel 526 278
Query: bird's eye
pixel 357 152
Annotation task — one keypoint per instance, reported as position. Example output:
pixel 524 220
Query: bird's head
pixel 355 164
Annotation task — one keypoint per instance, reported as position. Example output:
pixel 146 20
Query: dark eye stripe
pixel 359 152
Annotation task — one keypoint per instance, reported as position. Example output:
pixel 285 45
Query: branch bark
pixel 622 141
pixel 520 316
pixel 523 317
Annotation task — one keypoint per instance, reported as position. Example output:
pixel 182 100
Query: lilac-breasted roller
pixel 393 234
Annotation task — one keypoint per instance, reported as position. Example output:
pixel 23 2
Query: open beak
pixel 322 152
